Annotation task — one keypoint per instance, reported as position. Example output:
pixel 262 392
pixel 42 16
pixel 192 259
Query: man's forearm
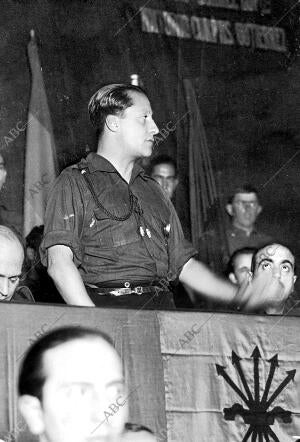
pixel 200 278
pixel 68 282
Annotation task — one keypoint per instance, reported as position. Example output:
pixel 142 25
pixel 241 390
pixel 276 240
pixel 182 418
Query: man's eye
pixel 286 268
pixel 14 279
pixel 266 266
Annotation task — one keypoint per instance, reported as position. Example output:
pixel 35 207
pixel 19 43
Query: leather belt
pixel 127 290
pixel 139 290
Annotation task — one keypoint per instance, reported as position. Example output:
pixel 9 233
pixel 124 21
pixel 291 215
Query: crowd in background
pixel 241 243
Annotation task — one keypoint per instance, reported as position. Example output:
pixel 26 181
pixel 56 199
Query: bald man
pixel 11 262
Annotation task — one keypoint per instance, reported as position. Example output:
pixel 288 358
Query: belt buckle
pixel 138 290
pixel 125 291
pixel 121 291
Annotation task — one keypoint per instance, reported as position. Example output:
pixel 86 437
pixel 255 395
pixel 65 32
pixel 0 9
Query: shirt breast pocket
pixel 112 233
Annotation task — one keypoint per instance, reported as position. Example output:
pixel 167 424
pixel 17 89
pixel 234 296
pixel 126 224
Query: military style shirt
pixel 133 235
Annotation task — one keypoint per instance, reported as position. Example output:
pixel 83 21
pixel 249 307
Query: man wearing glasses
pixel 243 207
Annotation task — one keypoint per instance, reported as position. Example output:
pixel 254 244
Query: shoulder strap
pixel 86 175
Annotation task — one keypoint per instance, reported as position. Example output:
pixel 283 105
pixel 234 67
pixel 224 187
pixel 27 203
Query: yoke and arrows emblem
pixel 258 416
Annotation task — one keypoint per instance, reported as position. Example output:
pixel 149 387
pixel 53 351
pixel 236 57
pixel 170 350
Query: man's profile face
pixel 278 262
pixel 242 268
pixel 84 397
pixel 11 261
pixel 244 210
pixel 164 174
pixel 137 128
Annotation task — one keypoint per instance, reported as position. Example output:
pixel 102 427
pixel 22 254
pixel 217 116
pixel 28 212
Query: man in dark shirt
pixel 110 228
pixel 243 207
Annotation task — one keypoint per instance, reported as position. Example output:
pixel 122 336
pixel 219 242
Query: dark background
pixel 249 98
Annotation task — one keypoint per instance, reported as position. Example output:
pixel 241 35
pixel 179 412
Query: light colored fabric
pixel 193 343
pixel 170 366
pixel 136 338
pixel 40 156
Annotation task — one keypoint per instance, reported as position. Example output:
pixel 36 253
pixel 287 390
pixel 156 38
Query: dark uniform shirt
pixel 238 239
pixel 147 246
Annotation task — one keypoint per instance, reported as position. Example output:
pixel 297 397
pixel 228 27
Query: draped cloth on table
pixel 183 369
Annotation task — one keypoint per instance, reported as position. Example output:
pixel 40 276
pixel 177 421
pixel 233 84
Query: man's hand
pixel 263 293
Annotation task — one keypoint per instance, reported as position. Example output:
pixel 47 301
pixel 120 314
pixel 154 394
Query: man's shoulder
pixel 71 174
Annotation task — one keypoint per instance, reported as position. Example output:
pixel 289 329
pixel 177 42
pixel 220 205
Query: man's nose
pixel 276 272
pixel 4 286
pixel 165 183
pixel 153 127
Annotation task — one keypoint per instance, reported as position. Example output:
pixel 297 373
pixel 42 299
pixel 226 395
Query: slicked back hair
pixel 112 99
pixel 32 376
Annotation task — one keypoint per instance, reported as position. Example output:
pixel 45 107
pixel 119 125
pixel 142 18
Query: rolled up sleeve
pixel 64 216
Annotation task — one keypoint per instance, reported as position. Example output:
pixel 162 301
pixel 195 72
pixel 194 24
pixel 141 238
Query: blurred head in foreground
pixel 71 387
pixel 274 266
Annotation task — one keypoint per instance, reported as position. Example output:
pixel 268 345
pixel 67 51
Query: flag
pixel 40 155
pixel 207 221
pixel 230 378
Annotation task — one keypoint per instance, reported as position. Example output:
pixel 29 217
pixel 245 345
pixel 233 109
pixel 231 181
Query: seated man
pixel 71 388
pixel 239 266
pixel 273 269
pixel 11 262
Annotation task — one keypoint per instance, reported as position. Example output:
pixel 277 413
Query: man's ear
pixel 259 209
pixel 229 209
pixel 295 278
pixel 112 123
pixel 31 410
pixel 232 278
pixel 176 182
